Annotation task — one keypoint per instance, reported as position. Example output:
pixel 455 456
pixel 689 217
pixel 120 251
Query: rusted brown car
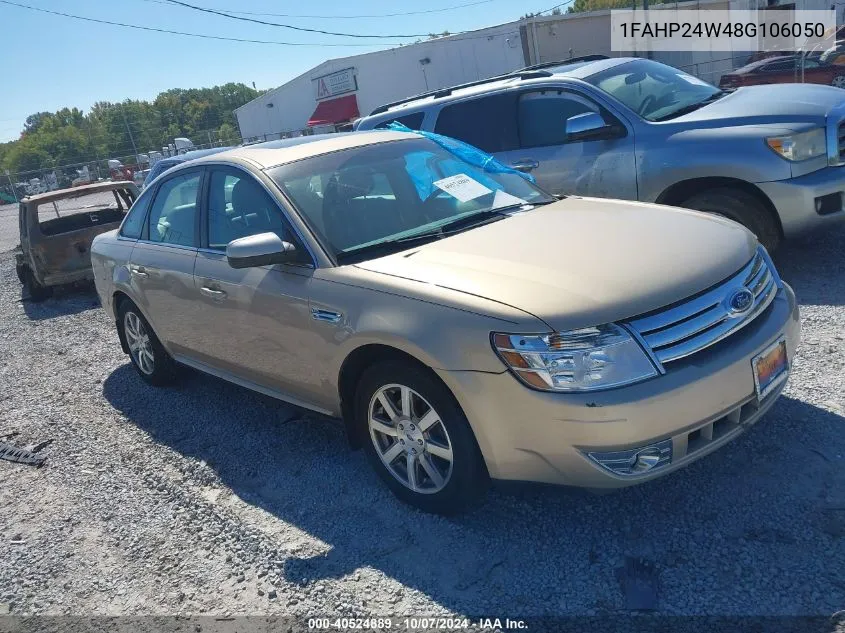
pixel 57 229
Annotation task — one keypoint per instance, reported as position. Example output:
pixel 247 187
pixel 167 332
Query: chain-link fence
pixel 17 185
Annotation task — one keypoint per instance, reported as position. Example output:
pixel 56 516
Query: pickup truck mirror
pixel 260 250
pixel 586 127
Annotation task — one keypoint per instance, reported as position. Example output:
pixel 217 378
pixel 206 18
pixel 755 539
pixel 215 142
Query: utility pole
pixel 131 138
pixel 645 10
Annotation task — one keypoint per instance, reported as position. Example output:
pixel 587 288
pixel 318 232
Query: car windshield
pixel 654 91
pixel 381 196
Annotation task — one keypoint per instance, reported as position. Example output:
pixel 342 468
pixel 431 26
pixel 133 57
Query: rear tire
pixel 741 207
pixel 422 447
pixel 148 356
pixel 838 81
pixel 37 293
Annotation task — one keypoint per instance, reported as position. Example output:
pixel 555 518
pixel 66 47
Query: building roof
pixel 274 153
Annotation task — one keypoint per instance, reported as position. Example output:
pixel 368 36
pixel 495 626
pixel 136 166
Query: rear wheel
pixel 741 207
pixel 150 359
pixel 417 438
pixel 34 289
pixel 838 81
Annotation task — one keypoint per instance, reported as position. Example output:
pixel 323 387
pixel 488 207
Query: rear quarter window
pixel 413 121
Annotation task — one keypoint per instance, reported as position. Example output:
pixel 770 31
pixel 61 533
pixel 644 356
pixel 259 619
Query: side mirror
pixel 262 249
pixel 587 126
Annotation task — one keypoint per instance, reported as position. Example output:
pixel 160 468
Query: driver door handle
pixel 139 271
pixel 211 293
pixel 525 165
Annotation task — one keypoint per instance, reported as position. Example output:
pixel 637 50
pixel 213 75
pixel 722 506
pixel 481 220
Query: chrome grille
pixel 704 320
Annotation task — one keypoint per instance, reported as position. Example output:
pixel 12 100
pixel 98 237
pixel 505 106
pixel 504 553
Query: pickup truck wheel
pixel 37 293
pixel 417 439
pixel 741 207
pixel 150 359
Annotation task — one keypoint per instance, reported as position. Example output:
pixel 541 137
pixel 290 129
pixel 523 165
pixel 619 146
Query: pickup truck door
pixel 603 167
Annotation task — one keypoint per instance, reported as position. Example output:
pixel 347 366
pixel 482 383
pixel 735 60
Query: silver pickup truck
pixel 769 157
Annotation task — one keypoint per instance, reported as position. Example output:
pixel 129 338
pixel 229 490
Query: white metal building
pixel 339 90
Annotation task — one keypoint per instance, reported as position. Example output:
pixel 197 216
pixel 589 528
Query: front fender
pixel 740 154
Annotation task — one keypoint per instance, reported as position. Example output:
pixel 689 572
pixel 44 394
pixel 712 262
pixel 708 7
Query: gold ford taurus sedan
pixel 463 323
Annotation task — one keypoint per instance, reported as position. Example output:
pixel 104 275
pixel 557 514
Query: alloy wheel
pixel 410 438
pixel 838 81
pixel 139 343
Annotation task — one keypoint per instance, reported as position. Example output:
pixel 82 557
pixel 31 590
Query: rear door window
pixel 488 122
pixel 174 211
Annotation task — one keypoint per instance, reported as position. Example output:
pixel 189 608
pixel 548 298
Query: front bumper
pixel 703 402
pixel 795 200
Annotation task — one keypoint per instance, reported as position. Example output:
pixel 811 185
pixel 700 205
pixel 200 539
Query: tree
pixel 70 136
pixel 227 134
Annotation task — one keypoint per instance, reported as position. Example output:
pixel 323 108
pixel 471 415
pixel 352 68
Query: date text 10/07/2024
pixel 416 623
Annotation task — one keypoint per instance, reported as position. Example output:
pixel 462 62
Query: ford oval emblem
pixel 740 301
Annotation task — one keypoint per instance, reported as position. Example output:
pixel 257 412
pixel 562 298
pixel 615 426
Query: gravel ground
pixel 209 499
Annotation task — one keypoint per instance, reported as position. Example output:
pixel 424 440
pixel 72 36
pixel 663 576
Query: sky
pixel 63 62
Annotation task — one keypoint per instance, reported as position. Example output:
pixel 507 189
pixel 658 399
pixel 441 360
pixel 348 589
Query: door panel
pixel 254 323
pixel 603 168
pixel 162 264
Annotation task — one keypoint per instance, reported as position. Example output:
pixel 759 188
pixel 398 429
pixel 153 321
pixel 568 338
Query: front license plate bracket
pixel 770 368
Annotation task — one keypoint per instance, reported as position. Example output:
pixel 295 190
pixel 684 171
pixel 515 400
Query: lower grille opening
pixel 831 203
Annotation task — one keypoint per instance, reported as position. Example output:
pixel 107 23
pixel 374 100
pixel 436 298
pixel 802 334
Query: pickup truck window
pixel 413 121
pixel 654 91
pixel 488 122
pixel 543 115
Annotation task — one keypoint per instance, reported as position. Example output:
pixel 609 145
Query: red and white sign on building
pixel 336 83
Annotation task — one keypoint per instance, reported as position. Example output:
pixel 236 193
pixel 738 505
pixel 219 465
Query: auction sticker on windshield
pixel 770 368
pixel 462 187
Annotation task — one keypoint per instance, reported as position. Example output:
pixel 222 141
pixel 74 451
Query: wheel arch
pixel 354 366
pixel 676 194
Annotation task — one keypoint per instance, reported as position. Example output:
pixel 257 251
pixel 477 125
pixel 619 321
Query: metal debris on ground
pixel 12 453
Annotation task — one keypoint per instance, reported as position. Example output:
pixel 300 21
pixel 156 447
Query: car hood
pixel 582 261
pixel 777 103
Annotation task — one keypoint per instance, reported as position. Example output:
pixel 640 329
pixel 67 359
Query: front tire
pixel 148 356
pixel 417 438
pixel 741 207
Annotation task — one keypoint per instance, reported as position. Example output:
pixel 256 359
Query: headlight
pixel 577 360
pixel 803 146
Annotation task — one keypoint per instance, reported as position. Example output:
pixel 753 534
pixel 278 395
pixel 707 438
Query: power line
pixel 232 16
pixel 346 17
pixel 198 35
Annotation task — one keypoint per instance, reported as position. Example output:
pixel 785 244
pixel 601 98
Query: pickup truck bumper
pixel 796 200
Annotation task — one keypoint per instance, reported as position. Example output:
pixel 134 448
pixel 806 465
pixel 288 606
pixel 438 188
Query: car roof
pixel 575 70
pixel 275 153
pixel 82 190
pixel 196 153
